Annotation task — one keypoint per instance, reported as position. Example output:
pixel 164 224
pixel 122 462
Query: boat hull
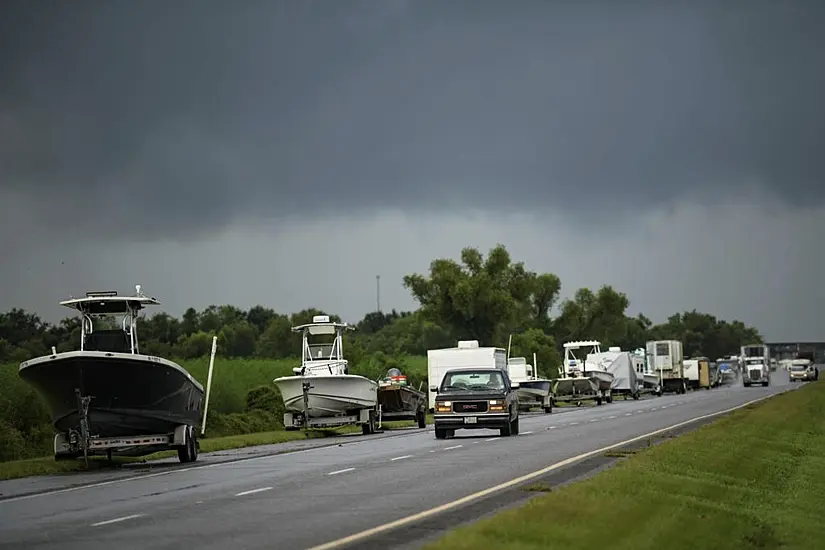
pixel 650 380
pixel 396 399
pixel 602 380
pixel 332 395
pixel 573 386
pixel 533 390
pixel 131 394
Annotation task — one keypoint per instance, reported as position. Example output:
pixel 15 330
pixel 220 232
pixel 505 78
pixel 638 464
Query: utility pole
pixel 378 293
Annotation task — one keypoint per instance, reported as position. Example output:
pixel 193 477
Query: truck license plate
pixel 470 420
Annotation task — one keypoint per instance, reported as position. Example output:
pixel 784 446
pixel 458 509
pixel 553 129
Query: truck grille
pixel 756 375
pixel 470 407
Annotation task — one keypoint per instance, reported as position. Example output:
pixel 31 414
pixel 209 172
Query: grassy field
pixel 753 479
pixel 26 433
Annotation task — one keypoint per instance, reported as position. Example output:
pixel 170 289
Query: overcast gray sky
pixel 285 153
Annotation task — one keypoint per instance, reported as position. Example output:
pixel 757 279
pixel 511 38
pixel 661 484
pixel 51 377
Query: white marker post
pixel 209 382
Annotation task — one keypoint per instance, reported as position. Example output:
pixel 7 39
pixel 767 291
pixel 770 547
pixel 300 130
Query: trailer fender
pixel 180 437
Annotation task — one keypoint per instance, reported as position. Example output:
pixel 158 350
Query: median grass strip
pixel 753 479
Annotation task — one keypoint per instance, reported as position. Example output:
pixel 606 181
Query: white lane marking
pixel 253 491
pixel 595 420
pixel 116 520
pixel 550 428
pixel 573 424
pixel 336 472
pixel 492 439
pixel 525 433
pixel 453 447
pixel 400 458
pixel 434 450
pixel 414 518
pixel 611 417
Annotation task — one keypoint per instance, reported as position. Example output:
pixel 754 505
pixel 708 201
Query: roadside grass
pixel 752 479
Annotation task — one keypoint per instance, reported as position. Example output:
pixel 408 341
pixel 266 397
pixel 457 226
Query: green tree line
pixel 481 298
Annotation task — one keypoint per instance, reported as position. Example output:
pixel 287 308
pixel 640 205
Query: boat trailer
pixel 369 419
pixel 81 442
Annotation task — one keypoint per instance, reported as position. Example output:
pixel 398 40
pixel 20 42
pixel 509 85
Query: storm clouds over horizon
pixel 286 152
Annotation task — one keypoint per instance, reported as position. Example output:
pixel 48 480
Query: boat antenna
pixel 509 345
pixel 535 368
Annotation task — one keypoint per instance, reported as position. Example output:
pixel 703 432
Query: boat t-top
pixel 322 393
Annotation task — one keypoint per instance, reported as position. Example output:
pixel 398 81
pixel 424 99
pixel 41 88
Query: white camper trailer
pixel 466 354
pixel 666 358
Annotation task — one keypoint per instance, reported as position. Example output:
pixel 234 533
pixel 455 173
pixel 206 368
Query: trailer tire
pixel 369 427
pixel 185 450
pixel 598 401
pixel 548 410
pixel 421 417
pixel 514 428
pixel 610 399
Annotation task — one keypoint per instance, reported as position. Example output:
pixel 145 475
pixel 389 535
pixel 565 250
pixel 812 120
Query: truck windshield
pixel 472 381
pixel 799 368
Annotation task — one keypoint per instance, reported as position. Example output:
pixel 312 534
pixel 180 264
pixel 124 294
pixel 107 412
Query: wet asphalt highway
pixel 323 489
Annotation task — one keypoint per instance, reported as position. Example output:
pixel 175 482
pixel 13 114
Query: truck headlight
pixel 443 406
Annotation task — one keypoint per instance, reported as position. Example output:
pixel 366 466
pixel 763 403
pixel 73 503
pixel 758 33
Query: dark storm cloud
pixel 181 115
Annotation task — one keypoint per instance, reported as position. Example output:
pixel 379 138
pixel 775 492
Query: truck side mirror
pixel 514 385
pixel 434 388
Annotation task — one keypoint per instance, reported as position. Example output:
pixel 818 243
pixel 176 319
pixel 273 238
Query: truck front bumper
pixel 477 421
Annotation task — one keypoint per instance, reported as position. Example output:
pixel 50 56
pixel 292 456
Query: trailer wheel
pixel 421 417
pixel 185 450
pixel 598 401
pixel 195 450
pixel 610 398
pixel 548 410
pixel 636 396
pixel 369 427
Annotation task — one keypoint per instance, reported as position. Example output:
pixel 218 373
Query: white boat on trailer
pixel 322 393
pixel 582 380
pixel 532 391
pixel 651 380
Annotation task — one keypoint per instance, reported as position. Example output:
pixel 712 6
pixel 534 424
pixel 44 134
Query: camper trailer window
pixel 472 381
pixel 662 350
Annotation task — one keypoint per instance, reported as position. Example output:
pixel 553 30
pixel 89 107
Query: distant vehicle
pixel 803 370
pixel 667 359
pixel 700 373
pixel 476 398
pixel 755 370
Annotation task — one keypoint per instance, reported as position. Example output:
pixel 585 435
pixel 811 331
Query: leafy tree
pixel 478 298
